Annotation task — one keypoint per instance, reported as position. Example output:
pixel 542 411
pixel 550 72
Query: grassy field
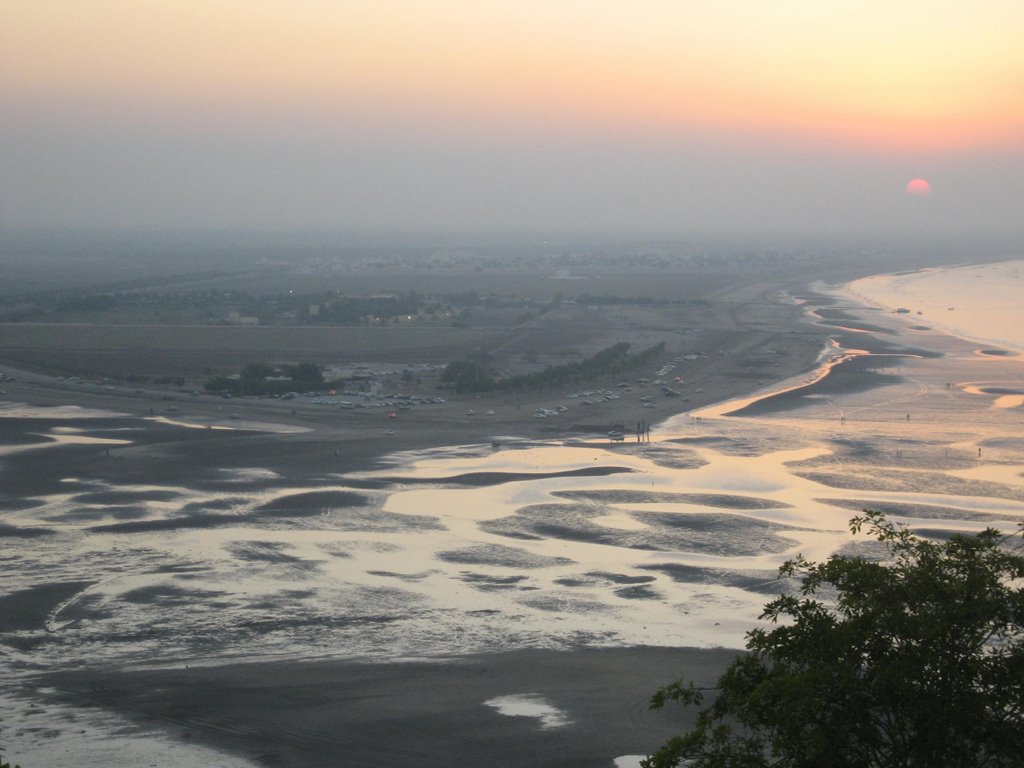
pixel 116 350
pixel 699 310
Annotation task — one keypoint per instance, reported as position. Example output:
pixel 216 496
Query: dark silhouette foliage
pixel 473 376
pixel 468 376
pixel 256 379
pixel 914 661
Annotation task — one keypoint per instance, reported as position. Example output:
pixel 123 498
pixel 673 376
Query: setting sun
pixel 918 188
pixel 727 115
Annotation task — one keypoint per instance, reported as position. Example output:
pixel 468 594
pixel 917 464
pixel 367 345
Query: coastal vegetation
pixel 263 379
pixel 912 659
pixel 475 375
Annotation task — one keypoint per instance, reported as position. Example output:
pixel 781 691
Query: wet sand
pixel 849 375
pixel 430 714
pixel 299 549
pixel 158 476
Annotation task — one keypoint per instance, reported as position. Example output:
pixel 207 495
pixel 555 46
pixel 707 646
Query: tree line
pixel 913 660
pixel 263 379
pixel 475 376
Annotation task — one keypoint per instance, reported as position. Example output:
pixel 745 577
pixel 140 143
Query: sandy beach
pixel 300 588
pixel 432 713
pixel 430 384
pixel 981 303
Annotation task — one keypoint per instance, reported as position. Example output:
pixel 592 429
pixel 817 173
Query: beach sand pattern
pixel 521 547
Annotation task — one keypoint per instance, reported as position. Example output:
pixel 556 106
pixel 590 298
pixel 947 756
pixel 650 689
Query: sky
pixel 658 116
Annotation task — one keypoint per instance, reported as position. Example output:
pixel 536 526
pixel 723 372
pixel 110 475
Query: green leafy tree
pixel 257 371
pixel 304 373
pixel 912 661
pixel 468 376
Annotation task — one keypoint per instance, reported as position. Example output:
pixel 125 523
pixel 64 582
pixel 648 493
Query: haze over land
pixel 733 119
pixel 156 533
pixel 424 383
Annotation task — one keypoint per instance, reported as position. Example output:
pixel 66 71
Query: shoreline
pixel 196 704
pixel 621 679
pixel 433 713
pixel 974 315
pixel 339 441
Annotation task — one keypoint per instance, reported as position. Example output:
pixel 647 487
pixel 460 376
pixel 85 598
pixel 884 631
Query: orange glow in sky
pixel 919 188
pixel 915 73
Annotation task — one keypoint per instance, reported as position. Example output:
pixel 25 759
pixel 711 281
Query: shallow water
pixel 468 549
pixel 57 437
pixel 984 302
pixel 639 549
pixel 11 410
pixel 530 705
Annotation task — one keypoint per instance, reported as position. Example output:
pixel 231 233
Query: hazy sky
pixel 661 115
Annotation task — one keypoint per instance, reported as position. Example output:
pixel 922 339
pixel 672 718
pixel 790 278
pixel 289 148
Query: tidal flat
pixel 256 595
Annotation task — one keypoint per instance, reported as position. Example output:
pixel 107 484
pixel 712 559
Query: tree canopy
pixel 915 659
pixel 255 379
pixel 473 375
